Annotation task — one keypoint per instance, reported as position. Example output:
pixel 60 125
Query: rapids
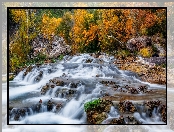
pixel 83 75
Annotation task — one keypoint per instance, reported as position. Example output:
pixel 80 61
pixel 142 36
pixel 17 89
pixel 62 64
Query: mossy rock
pixel 97 110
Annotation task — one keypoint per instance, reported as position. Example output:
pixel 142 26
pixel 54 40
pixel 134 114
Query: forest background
pixel 84 30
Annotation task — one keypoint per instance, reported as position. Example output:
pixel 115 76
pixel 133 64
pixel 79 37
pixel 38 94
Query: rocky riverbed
pixel 61 90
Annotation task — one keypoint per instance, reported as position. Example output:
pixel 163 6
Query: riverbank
pixel 148 72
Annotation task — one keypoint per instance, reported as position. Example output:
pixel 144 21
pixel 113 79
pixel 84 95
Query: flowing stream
pixel 71 83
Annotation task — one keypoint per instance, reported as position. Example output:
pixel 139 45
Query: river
pixel 82 76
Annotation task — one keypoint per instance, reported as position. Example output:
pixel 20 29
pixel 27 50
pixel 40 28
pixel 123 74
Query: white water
pixel 73 112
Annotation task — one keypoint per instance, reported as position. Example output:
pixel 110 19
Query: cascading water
pixel 64 88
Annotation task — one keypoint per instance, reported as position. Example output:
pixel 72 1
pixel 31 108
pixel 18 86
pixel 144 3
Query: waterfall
pixel 71 83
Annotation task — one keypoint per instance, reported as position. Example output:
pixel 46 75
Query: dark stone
pixel 16 117
pixel 49 105
pixel 155 55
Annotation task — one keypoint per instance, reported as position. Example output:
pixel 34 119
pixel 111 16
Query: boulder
pixel 52 48
pixel 135 44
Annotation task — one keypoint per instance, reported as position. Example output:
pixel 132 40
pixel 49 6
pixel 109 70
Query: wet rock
pixel 126 106
pixel 40 74
pixel 98 117
pixel 96 55
pixel 73 85
pixel 121 106
pixel 163 112
pixel 109 83
pixel 16 117
pixel 88 60
pixel 97 75
pixel 64 75
pixel 40 101
pixel 146 69
pixel 143 88
pixel 45 89
pixel 50 105
pixel 52 85
pixel 37 79
pixel 16 113
pixel 51 81
pixel 59 106
pixel 28 69
pixel 49 71
pixel 66 93
pixel 12 112
pixel 131 120
pixel 119 121
pixel 98 113
pixel 22 112
pixel 59 83
pixel 149 106
pixel 130 107
pixel 156 60
pixel 134 91
pixel 72 91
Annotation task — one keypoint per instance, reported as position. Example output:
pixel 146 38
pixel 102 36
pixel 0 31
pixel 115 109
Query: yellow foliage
pixel 87 28
pixel 145 52
pixel 49 25
pixel 18 14
pixel 19 41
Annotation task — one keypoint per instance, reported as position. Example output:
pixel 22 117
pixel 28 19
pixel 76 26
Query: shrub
pixel 145 52
pixel 92 104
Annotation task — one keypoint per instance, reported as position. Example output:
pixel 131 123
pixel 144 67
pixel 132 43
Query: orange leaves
pixel 145 19
pixel 126 12
pixel 91 33
pixel 128 26
pixel 84 30
pixel 150 20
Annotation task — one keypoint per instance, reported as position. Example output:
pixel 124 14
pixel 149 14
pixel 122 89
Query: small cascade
pixel 56 93
pixel 19 77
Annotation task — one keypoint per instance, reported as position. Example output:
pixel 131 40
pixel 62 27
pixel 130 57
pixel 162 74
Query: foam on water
pixel 19 77
pixel 46 118
pixel 75 68
pixel 146 120
pixel 71 108
pixel 43 98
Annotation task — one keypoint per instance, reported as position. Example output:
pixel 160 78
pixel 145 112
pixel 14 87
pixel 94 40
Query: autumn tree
pixel 84 32
pixel 20 40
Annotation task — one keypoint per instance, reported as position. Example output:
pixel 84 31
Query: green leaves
pixel 92 104
pixel 60 57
